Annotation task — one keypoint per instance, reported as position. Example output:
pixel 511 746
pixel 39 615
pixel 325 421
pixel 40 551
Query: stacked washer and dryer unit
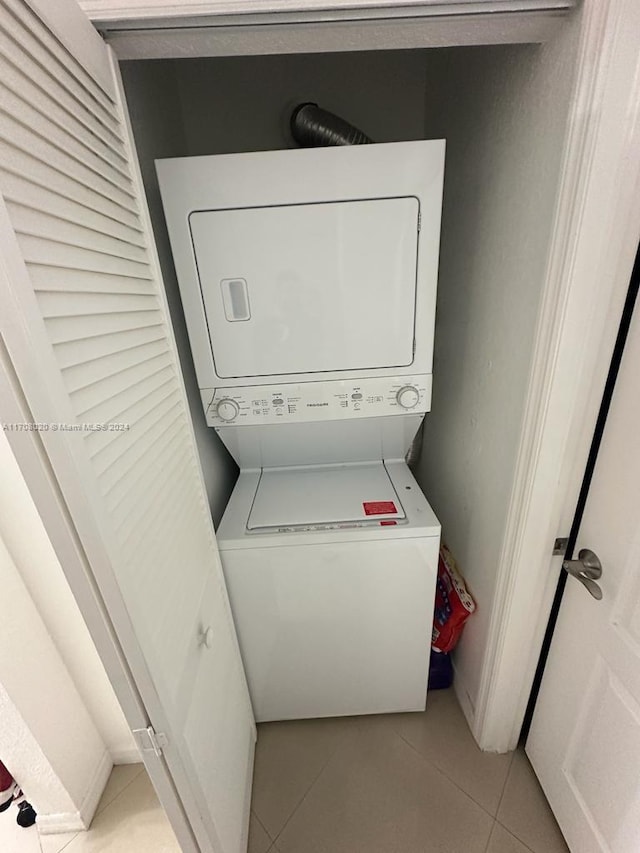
pixel 308 280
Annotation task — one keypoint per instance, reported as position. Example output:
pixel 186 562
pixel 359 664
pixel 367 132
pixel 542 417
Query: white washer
pixel 331 573
pixel 308 280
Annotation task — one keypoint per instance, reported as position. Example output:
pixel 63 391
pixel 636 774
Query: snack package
pixel 453 604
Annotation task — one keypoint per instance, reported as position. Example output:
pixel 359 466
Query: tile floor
pixel 129 819
pixel 400 783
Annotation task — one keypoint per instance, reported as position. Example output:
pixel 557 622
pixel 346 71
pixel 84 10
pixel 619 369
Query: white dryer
pixel 308 280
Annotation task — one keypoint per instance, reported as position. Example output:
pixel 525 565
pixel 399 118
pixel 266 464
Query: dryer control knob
pixel 227 410
pixel 408 397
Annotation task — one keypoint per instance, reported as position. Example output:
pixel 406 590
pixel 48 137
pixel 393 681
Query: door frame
pixel 154 29
pixel 596 231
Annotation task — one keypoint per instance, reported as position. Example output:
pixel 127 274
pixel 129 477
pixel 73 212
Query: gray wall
pixel 503 112
pixel 244 104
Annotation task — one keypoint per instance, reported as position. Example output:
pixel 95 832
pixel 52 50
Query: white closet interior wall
pixel 504 113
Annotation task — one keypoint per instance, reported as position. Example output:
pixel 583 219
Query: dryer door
pixel 309 288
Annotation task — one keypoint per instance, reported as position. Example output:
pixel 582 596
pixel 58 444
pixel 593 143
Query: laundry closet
pixel 87 339
pixel 502 110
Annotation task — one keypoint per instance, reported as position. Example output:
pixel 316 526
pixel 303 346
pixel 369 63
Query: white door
pixel 585 739
pixel 332 289
pixel 87 340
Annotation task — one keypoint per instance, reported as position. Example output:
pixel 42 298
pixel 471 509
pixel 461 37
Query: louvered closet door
pixel 85 324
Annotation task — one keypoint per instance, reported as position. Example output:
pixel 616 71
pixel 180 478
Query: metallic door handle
pixel 587 569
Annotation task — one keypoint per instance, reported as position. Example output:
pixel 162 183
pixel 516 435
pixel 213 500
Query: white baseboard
pixel 54 824
pixel 128 755
pixel 464 700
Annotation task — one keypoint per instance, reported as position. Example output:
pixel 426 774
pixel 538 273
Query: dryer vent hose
pixel 313 127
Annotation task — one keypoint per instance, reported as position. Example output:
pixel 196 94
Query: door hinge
pixel 560 546
pixel 149 740
pixel 419 221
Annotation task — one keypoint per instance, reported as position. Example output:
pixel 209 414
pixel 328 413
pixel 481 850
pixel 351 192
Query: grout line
pixel 266 831
pixel 59 849
pixel 446 775
pixel 64 846
pixel 509 832
pixel 506 781
pixel 493 829
pixel 504 789
pixel 118 795
pixel 308 791
pixel 457 785
pixel 517 837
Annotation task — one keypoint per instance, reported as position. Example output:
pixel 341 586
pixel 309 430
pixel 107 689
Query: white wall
pixel 47 738
pixel 156 118
pixel 28 764
pixel 503 112
pixel 32 553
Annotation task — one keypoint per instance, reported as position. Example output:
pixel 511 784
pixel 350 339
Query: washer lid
pixel 324 496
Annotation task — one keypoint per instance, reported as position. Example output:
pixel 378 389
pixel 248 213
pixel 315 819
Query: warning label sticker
pixel 379 507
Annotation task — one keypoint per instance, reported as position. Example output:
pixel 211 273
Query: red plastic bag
pixel 453 604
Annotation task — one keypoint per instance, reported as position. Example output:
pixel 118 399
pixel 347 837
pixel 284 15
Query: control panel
pixel 317 401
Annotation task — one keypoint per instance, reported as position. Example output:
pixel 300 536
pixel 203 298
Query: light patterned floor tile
pixel 377 795
pixel 502 841
pixel 289 758
pixel 259 840
pixel 122 775
pixel 525 812
pixel 14 838
pixel 133 821
pixel 56 843
pixel 442 736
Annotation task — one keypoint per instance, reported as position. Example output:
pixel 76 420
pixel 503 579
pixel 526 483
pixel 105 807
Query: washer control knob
pixel 227 410
pixel 408 397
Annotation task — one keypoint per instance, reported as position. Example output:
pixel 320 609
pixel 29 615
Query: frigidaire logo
pixel 314 405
